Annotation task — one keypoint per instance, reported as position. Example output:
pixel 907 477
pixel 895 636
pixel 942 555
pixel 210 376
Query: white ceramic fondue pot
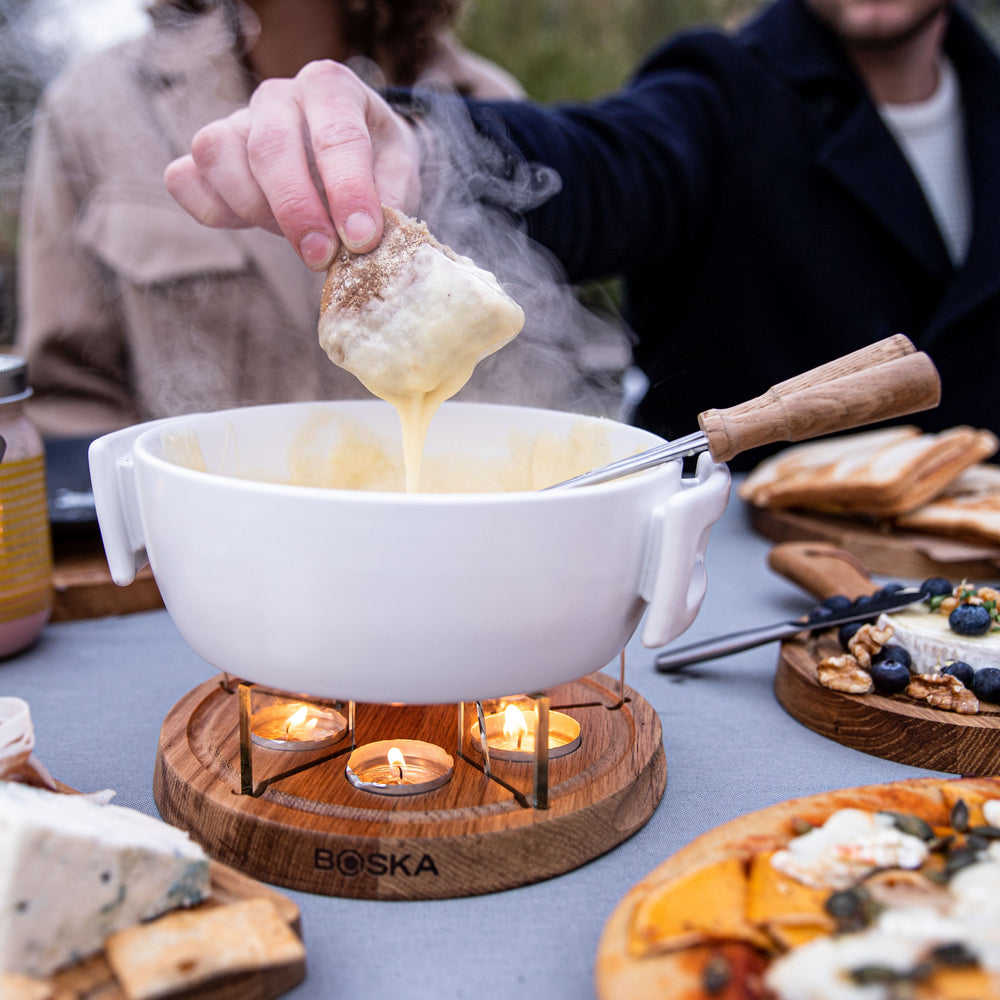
pixel 393 597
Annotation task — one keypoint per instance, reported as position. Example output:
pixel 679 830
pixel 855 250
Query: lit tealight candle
pixel 296 726
pixel 510 734
pixel 399 767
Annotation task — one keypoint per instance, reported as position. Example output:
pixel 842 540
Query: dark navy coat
pixel 764 220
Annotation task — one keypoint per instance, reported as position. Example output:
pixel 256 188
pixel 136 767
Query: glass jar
pixel 25 533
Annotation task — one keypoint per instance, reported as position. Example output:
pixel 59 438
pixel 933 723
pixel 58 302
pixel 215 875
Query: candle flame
pixel 297 724
pixel 396 758
pixel 514 723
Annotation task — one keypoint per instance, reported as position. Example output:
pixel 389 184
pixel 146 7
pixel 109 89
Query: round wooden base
pixel 306 827
pixel 895 728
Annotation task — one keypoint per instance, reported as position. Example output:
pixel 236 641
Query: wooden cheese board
pixel 82 586
pixel 882 549
pixel 94 979
pixel 893 727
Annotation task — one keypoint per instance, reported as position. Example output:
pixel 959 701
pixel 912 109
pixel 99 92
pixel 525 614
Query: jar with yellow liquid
pixel 25 533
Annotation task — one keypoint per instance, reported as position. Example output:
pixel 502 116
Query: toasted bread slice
pixel 879 473
pixel 969 508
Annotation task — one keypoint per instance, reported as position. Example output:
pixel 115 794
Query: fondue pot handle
pixel 116 501
pixel 675 580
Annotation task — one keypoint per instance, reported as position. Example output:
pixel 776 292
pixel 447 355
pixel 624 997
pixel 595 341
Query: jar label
pixel 25 539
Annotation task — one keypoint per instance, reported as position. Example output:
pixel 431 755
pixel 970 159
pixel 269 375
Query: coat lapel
pixel 855 149
pixel 863 157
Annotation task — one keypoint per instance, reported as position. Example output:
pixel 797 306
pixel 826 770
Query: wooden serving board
pixel 94 979
pixel 893 727
pixel 883 550
pixel 307 828
pixel 82 586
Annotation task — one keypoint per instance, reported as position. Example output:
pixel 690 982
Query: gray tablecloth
pixel 99 691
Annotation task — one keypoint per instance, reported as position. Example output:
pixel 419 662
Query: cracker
pixel 190 947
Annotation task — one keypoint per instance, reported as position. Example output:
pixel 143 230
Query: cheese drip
pixel 411 320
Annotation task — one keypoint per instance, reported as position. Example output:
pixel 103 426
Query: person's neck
pixel 906 72
pixel 292 33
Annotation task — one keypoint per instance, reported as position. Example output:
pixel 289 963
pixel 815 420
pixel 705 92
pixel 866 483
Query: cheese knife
pixel 735 642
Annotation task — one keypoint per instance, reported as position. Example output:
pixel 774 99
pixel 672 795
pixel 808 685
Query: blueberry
pixel 890 676
pixel 819 613
pixel 935 586
pixel 864 601
pixel 890 588
pixel 837 602
pixel 970 619
pixel 960 670
pixel 846 632
pixel 893 654
pixel 986 684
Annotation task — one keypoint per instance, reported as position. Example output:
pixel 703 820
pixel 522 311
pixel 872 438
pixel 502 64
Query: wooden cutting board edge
pixel 885 553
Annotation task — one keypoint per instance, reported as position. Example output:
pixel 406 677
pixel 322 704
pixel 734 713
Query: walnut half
pixel 943 691
pixel 843 673
pixel 867 641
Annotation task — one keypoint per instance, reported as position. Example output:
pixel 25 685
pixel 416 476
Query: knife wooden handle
pixel 821 569
pixel 813 408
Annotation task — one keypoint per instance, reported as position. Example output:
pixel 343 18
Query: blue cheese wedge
pixel 72 871
pixel 931 643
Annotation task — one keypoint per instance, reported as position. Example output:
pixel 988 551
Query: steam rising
pixel 566 356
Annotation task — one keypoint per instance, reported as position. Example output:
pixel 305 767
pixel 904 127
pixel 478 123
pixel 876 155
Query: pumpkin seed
pixel 913 825
pixel 954 954
pixel 960 816
pixel 868 975
pixel 717 975
pixel 986 832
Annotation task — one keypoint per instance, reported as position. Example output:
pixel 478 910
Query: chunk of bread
pixel 879 473
pixel 412 317
pixel 969 508
pixel 187 948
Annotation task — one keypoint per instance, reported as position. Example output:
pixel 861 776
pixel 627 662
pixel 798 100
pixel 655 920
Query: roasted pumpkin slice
pixel 704 905
pixel 959 984
pixel 791 913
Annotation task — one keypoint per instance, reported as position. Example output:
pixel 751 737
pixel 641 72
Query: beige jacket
pixel 130 310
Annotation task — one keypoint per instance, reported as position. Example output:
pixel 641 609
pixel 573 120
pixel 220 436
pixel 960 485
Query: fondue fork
pixel 885 380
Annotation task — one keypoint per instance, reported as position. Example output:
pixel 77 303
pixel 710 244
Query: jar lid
pixel 13 377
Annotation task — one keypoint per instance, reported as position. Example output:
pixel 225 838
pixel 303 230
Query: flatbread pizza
pixel 881 892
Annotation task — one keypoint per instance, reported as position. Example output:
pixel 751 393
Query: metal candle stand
pixel 538 799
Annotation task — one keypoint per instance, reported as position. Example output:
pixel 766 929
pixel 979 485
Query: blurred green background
pixel 577 49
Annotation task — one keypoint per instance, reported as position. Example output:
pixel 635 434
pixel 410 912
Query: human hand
pixel 311 158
